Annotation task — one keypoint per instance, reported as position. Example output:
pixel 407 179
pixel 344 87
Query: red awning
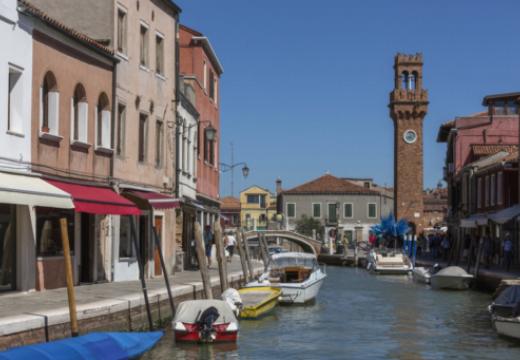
pixel 156 200
pixel 96 199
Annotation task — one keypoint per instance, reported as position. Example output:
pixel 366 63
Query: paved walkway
pixel 25 311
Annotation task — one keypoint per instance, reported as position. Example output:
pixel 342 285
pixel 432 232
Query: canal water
pixel 363 316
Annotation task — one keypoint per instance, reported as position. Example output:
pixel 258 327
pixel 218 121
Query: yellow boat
pixel 258 301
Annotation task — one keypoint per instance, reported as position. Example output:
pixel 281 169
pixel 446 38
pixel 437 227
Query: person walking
pixel 230 246
pixel 508 251
pixel 445 245
pixel 488 249
pixel 208 242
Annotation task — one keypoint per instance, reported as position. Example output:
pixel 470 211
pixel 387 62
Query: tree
pixel 306 224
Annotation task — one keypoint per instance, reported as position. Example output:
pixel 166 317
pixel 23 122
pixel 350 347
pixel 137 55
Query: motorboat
pixel 505 312
pixel 258 301
pixel 97 345
pixel 423 274
pixel 388 262
pixel 297 275
pixel 205 321
pixel 451 278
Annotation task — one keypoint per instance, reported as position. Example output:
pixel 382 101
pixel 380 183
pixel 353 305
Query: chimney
pixel 278 186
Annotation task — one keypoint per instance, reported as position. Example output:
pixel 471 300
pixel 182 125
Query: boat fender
pixel 232 298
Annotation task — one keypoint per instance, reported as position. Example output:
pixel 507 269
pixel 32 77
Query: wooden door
pixel 156 258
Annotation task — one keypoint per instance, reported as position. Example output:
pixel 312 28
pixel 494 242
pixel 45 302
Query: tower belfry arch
pixel 408 108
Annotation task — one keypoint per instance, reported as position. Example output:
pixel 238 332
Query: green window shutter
pixel 316 210
pixel 372 211
pixel 348 210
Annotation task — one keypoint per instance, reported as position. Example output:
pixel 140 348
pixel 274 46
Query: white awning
pixel 503 216
pixel 474 220
pixel 32 191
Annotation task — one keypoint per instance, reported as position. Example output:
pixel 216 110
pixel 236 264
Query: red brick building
pixel 200 70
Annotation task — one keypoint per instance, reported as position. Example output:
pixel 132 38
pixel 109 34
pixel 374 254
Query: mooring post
pixel 163 267
pixel 140 263
pixel 248 256
pixel 241 253
pixel 221 257
pixel 263 249
pixel 70 279
pixel 201 256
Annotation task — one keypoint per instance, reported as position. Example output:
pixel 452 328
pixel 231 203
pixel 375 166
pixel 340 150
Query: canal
pixel 362 316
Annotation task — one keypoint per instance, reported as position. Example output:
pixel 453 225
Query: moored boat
pixel 505 312
pixel 297 275
pixel 451 278
pixel 205 321
pixel 258 301
pixel 421 275
pixel 388 262
pixel 99 345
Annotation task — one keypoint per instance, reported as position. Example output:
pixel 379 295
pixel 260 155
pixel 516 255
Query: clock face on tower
pixel 410 136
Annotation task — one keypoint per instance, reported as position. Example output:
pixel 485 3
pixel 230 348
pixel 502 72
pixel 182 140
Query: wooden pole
pixel 201 256
pixel 221 257
pixel 140 263
pixel 70 279
pixel 248 256
pixel 263 250
pixel 241 253
pixel 163 266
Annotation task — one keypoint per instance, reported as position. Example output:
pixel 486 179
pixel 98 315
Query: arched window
pixel 413 81
pixel 404 80
pixel 103 122
pixel 79 114
pixel 49 105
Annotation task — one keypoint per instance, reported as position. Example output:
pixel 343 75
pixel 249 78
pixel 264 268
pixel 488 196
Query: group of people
pixel 230 242
pixel 490 249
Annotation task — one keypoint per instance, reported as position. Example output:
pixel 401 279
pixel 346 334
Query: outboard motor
pixel 205 323
pixel 435 269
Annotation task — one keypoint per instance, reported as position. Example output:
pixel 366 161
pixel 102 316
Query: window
pixel 492 190
pixel 316 210
pixel 159 54
pixel 159 135
pixel 143 119
pixel 500 188
pixel 348 210
pixel 211 85
pixel 512 107
pixel 486 191
pixel 209 150
pixel 14 100
pixel 253 199
pixel 48 231
pixel 49 105
pixel 499 107
pixel 79 114
pixel 333 216
pixel 103 122
pixel 372 211
pixel 291 210
pixel 404 80
pixel 143 57
pixel 121 120
pixel 126 248
pixel 121 30
pixel 479 193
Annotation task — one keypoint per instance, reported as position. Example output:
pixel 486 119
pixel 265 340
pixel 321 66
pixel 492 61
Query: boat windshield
pixel 293 261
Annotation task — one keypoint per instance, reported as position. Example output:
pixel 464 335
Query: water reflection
pixel 362 316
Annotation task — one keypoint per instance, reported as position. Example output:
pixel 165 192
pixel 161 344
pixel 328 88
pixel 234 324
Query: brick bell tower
pixel 408 107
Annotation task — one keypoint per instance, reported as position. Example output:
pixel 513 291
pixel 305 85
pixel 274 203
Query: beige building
pixel 258 208
pixel 143 36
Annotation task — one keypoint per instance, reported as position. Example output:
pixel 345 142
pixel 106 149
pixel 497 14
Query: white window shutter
pixel 54 112
pixel 72 119
pixel 83 121
pixel 105 131
pixel 40 115
pixel 96 141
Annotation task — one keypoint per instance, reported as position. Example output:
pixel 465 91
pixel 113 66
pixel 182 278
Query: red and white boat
pixel 206 321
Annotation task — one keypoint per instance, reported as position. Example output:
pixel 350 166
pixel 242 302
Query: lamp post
pixel 230 167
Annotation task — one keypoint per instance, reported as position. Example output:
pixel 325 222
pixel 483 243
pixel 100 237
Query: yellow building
pixel 258 208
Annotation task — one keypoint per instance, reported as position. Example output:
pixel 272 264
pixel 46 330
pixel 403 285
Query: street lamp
pixel 230 167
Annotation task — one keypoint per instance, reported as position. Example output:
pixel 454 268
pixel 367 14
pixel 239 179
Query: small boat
pixel 99 345
pixel 451 278
pixel 297 275
pixel 423 274
pixel 388 262
pixel 205 321
pixel 505 312
pixel 258 301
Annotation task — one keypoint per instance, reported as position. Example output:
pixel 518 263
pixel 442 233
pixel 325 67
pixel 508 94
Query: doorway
pixel 188 239
pixel 7 247
pixel 158 222
pixel 87 248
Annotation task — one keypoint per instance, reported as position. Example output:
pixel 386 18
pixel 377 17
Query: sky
pixel 306 83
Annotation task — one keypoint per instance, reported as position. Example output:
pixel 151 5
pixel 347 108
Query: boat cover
pixel 105 345
pixel 189 311
pixel 453 271
pixel 508 302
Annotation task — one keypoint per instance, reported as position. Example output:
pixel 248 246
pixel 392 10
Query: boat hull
pixel 301 293
pixel 194 336
pixel 450 282
pixel 509 327
pixel 263 307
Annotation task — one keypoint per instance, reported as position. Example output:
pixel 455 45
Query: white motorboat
pixel 388 262
pixel 452 278
pixel 298 275
pixel 505 312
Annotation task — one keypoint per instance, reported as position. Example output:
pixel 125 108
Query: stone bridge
pixel 306 243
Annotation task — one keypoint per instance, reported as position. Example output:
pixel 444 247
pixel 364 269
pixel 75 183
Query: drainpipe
pixel 177 130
